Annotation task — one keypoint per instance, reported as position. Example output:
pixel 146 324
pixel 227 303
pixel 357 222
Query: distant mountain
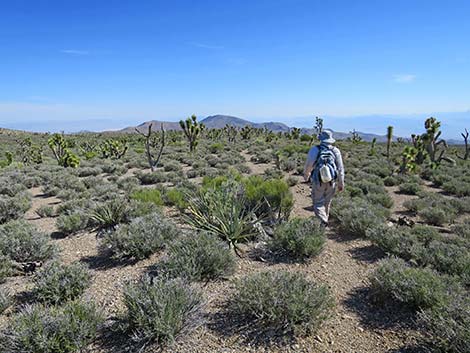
pixel 220 121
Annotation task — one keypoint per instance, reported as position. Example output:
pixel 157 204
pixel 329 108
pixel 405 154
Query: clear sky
pixel 116 62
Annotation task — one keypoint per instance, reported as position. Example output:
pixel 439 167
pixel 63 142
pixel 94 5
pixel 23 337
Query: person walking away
pixel 324 169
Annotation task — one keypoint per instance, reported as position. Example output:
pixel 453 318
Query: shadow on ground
pixel 370 253
pixel 103 261
pixel 372 315
pixel 250 334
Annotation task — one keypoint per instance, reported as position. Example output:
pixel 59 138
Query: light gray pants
pixel 322 195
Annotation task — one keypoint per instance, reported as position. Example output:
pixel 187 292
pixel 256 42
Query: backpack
pixel 325 167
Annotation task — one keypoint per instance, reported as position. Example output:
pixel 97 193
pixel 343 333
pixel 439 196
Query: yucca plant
pixel 223 211
pixel 108 215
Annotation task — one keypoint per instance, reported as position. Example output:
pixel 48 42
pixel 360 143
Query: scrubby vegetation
pixel 224 214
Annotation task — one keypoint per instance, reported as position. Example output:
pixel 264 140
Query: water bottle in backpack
pixel 326 165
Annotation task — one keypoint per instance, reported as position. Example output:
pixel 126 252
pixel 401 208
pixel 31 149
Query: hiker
pixel 324 168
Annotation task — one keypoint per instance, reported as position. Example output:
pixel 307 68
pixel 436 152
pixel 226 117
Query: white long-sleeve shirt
pixel 312 159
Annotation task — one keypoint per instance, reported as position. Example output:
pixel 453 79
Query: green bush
pixel 356 216
pixel 462 229
pixel 159 310
pixel 72 223
pixel 409 188
pixel 45 211
pixel 437 216
pixel 198 257
pixel 56 283
pixel 6 300
pixel 299 238
pixel 448 326
pixel 43 329
pixel 12 208
pixel 108 215
pixel 283 301
pixel 148 195
pixel 152 178
pixel 418 288
pixel 21 242
pixel 175 197
pixel 141 238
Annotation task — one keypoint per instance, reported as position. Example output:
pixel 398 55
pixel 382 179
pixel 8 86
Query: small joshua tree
pixel 231 132
pixel 467 147
pixel 153 141
pixel 372 150
pixel 29 152
pixel 409 156
pixel 389 140
pixel 295 133
pixel 246 132
pixel 113 149
pixel 192 129
pixel 432 142
pixel 355 138
pixel 318 125
pixel 62 154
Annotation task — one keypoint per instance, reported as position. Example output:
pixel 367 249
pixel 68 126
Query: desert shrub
pixel 6 300
pixel 216 147
pixel 56 283
pixel 21 242
pixel 457 187
pixel 291 181
pixel 171 167
pixel 448 326
pixel 152 178
pixel 73 222
pixel 356 215
pixel 148 195
pixel 462 229
pixel 43 329
pixel 409 188
pixel 450 258
pixel 175 197
pixel 6 267
pixel 45 211
pixel 88 171
pixel 281 300
pixel 128 184
pixel 391 181
pixel 159 310
pixel 299 238
pixel 140 238
pixel 437 216
pixel 12 208
pixel 418 288
pixel 199 256
pixel 269 197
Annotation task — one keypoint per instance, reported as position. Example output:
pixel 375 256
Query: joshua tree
pixel 29 152
pixel 153 142
pixel 62 154
pixel 231 132
pixel 318 125
pixel 372 147
pixel 355 138
pixel 113 148
pixel 408 163
pixel 432 142
pixel 389 140
pixel 246 132
pixel 467 147
pixel 192 129
pixel 295 133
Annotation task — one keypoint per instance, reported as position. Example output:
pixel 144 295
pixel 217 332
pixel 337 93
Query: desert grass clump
pixel 107 215
pixel 283 301
pixel 45 211
pixel 299 238
pixel 56 283
pixel 418 288
pixel 21 242
pixel 199 257
pixel 148 195
pixel 142 237
pixel 40 329
pixel 160 310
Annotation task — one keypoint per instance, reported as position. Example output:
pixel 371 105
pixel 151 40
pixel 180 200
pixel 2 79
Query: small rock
pixel 318 338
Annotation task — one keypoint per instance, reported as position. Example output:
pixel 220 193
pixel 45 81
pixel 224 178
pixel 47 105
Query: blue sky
pixel 115 63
